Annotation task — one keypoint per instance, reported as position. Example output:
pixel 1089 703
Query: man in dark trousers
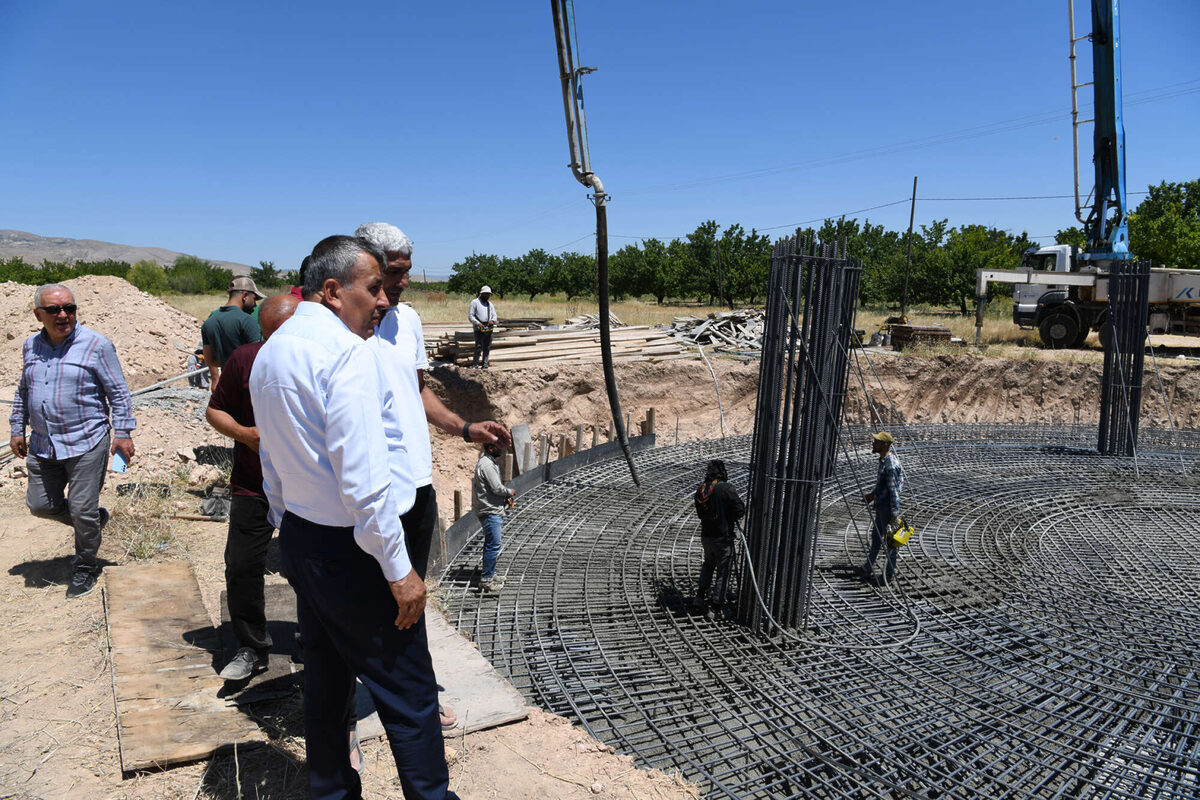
pixel 719 509
pixel 230 412
pixel 337 478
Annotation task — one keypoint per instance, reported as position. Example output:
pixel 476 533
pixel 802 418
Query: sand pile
pixel 143 328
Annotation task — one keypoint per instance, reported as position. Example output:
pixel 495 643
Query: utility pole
pixel 912 211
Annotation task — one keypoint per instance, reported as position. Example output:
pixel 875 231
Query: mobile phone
pixel 118 462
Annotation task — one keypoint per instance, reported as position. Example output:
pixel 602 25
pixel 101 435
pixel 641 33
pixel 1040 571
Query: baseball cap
pixel 883 436
pixel 486 290
pixel 244 284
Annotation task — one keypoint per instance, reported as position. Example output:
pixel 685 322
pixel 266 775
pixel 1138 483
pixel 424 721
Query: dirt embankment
pixel 144 329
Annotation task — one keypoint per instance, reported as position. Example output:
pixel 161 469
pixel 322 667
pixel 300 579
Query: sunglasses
pixel 70 308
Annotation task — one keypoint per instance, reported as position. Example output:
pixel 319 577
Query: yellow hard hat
pixel 883 436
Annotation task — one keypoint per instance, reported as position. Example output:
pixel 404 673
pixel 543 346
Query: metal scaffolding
pixel 810 305
pixel 1041 640
pixel 1124 337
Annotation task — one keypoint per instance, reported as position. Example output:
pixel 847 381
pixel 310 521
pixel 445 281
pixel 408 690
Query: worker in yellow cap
pixel 889 482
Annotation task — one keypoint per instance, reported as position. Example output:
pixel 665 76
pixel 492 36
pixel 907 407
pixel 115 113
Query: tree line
pixel 730 266
pixel 186 275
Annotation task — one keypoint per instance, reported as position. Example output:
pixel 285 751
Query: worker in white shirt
pixel 337 485
pixel 483 317
pixel 401 346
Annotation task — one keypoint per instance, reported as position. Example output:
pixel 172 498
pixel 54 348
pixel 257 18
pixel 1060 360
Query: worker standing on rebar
pixel 719 508
pixel 489 498
pixel 889 482
pixel 483 317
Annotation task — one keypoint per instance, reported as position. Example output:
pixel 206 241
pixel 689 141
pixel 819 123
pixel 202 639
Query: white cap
pixel 486 290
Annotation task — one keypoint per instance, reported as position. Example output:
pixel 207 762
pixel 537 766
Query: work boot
pixel 245 662
pixel 103 517
pixel 82 582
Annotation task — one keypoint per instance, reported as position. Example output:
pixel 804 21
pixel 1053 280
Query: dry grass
pixel 437 306
pixel 142 521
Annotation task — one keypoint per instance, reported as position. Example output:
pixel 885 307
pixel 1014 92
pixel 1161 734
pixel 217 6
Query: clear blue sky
pixel 248 131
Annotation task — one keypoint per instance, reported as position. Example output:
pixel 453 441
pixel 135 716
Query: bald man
pixel 231 413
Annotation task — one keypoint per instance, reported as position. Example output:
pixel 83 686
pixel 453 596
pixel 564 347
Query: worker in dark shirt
pixel 719 509
pixel 230 326
pixel 231 413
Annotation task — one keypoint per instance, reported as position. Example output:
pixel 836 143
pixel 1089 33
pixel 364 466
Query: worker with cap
pixel 196 362
pixel 230 326
pixel 483 319
pixel 719 508
pixel 889 482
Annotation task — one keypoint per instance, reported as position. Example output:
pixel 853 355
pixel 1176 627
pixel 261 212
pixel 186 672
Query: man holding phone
pixel 71 382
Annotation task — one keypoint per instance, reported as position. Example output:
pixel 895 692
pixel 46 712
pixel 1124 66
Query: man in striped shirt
pixel 71 381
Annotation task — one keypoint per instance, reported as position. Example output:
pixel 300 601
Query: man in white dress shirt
pixel 336 489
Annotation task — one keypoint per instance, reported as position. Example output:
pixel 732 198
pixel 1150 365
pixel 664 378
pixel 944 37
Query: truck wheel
pixel 1058 331
pixel 1081 339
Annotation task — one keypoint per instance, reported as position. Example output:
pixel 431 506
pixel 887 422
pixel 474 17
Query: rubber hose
pixel 610 378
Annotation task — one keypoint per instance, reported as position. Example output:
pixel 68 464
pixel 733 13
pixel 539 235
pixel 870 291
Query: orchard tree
pixel 577 275
pixel 1165 227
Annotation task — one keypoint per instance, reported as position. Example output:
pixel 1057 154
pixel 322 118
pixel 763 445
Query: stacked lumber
pixel 515 349
pixel 740 330
pixel 523 322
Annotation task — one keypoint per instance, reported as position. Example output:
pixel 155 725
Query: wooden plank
pixel 164 685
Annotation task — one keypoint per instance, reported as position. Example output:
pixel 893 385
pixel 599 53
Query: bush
pixel 148 276
pixel 191 275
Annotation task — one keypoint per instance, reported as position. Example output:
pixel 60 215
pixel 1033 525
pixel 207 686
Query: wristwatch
pixel 466 432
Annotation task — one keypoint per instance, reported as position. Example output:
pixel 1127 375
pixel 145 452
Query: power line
pixel 1024 197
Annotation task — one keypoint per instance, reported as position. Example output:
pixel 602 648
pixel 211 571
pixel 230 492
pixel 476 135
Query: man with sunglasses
pixel 71 383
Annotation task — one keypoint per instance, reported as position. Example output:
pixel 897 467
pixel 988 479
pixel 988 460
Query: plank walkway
pixel 167 694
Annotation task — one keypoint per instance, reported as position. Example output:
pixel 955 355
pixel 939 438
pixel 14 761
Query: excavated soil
pixel 144 329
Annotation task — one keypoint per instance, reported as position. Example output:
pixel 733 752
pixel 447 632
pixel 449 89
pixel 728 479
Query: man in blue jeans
pixel 490 498
pixel 889 482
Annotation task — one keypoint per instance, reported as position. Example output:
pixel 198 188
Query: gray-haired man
pixel 401 347
pixel 70 382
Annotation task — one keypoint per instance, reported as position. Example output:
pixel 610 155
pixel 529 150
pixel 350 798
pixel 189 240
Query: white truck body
pixel 1066 297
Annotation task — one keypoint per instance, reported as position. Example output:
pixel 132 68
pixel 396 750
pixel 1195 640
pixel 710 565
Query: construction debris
pixel 739 330
pixel 592 322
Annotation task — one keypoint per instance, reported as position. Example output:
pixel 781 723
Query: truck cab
pixel 1030 298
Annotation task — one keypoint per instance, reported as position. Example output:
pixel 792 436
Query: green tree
pixel 975 247
pixel 577 275
pixel 661 276
pixel 703 274
pixel 149 276
pixel 626 272
pixel 1165 227
pixel 265 275
pixel 1073 235
pixel 745 260
pixel 192 275
pixel 536 274
pixel 474 272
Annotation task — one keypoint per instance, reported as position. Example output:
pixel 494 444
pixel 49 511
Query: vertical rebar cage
pixel 1124 357
pixel 810 307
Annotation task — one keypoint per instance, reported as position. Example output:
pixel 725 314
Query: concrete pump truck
pixel 1062 290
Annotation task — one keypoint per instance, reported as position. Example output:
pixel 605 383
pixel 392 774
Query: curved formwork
pixel 1041 640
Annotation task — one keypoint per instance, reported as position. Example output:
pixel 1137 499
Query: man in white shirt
pixel 336 489
pixel 401 347
pixel 483 317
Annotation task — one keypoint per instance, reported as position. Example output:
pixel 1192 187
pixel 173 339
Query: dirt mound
pixel 143 328
pixel 967 388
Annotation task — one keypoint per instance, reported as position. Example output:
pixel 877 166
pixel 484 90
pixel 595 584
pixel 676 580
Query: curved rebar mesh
pixel 1041 639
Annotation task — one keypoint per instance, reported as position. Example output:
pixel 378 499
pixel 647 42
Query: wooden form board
pixel 169 708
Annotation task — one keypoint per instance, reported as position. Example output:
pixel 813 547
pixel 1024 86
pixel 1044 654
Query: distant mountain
pixel 35 249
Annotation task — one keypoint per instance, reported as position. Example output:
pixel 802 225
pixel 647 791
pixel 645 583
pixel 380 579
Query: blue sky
pixel 248 131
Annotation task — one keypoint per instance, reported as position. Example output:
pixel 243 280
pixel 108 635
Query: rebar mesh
pixel 1040 641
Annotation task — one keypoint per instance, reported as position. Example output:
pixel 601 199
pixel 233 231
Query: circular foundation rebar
pixel 1041 639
